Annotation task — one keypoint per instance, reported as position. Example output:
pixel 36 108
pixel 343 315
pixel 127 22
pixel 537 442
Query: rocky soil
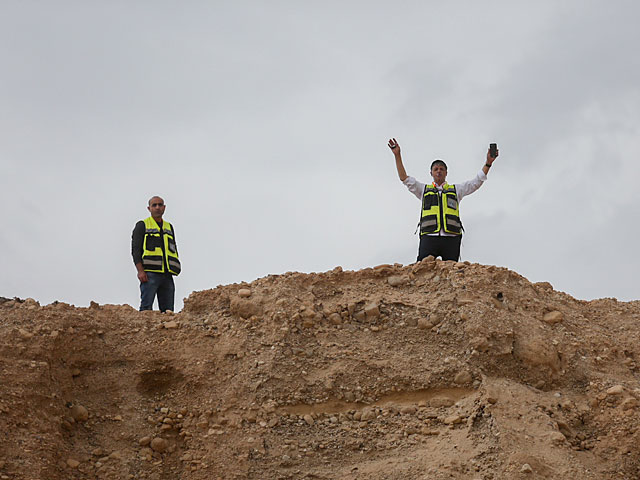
pixel 436 370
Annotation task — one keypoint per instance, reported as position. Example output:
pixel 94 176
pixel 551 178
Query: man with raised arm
pixel 440 225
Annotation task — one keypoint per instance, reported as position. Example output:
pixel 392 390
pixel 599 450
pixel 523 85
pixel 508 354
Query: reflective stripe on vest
pixel 440 210
pixel 159 250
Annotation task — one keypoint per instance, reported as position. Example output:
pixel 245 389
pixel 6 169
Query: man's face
pixel 439 173
pixel 156 207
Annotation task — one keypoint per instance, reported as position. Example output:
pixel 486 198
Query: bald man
pixel 155 255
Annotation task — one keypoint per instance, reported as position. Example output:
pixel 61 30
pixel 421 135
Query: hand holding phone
pixel 493 150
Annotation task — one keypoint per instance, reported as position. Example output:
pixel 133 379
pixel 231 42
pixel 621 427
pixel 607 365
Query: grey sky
pixel 264 125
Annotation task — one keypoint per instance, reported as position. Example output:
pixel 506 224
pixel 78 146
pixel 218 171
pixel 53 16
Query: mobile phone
pixel 493 150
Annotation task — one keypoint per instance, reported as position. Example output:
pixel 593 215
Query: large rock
pixel 553 317
pixel 79 413
pixel 159 444
pixel 245 308
pixel 535 350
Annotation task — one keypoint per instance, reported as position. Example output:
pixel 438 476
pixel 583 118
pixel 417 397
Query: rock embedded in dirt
pixel 425 323
pixel 79 413
pixel 372 310
pixel 144 441
pixel 463 377
pixel 244 293
pixel 526 468
pixel 453 420
pixel 309 419
pixel 398 280
pixel 31 304
pixel 615 390
pixel 245 308
pixel 73 463
pixel 171 325
pixel 408 409
pixel 557 438
pixel 553 317
pixel 159 444
pixel 367 414
pixel 24 334
pixel 359 316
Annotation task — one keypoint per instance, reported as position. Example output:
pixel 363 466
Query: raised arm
pixel 395 148
pixel 490 161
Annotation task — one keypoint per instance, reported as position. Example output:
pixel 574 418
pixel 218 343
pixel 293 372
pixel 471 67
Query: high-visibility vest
pixel 155 258
pixel 440 211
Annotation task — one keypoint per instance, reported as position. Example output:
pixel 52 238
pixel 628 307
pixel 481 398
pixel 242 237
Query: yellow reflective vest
pixel 159 250
pixel 440 211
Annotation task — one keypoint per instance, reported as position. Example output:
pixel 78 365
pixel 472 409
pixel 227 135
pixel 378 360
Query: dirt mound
pixel 434 370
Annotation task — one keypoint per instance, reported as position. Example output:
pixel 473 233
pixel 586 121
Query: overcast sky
pixel 264 124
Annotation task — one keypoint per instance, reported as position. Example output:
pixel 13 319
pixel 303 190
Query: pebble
pixel 244 293
pixel 273 422
pixel 557 438
pixel 335 319
pixel 398 280
pixel 553 317
pixel 429 431
pixel 629 403
pixel 526 468
pixel 25 334
pixel 455 420
pixel 425 323
pixel 159 444
pixel 146 453
pixel 31 304
pixel 144 441
pixel 372 310
pixel 79 413
pixel 309 419
pixel 367 414
pixel 171 325
pixel 360 316
pixel 73 463
pixel 463 377
pixel 616 390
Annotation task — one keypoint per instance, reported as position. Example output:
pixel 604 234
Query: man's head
pixel 156 207
pixel 439 171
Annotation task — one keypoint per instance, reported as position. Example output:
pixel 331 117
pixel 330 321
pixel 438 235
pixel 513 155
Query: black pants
pixel 446 247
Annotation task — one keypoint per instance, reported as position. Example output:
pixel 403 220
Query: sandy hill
pixel 436 370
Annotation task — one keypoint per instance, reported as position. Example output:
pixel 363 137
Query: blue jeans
pixel 160 284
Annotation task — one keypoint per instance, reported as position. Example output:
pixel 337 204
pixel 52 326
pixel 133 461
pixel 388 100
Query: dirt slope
pixel 435 370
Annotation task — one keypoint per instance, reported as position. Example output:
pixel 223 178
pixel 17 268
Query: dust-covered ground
pixel 436 370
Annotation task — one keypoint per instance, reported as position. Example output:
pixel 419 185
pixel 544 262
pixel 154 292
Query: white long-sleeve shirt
pixel 462 190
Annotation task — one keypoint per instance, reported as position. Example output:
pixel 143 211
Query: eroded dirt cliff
pixel 435 370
